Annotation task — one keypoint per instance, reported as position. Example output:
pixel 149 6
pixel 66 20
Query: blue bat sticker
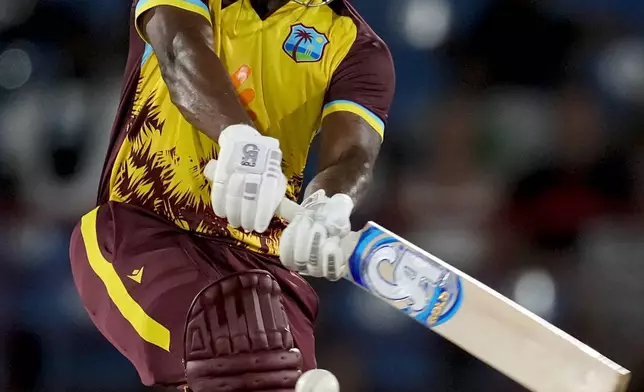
pixel 409 280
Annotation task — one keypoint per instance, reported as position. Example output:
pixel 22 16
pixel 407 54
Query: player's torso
pixel 287 61
pixel 281 67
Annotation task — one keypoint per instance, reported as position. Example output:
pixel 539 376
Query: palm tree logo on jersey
pixel 305 44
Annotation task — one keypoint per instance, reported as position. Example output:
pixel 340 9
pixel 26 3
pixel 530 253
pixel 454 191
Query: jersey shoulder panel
pixel 200 7
pixel 364 81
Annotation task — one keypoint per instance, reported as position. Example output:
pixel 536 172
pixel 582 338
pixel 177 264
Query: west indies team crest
pixel 305 44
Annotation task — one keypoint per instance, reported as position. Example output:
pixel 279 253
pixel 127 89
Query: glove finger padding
pixel 301 250
pixel 270 194
pixel 311 243
pixel 249 207
pixel 218 191
pixel 210 169
pixel 334 263
pixel 287 244
pixel 234 197
pixel 314 242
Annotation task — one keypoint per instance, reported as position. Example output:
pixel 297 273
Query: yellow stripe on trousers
pixel 148 328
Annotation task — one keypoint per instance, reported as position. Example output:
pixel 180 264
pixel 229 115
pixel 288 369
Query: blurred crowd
pixel 514 151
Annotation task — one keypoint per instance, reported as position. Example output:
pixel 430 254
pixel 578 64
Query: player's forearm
pixel 350 175
pixel 198 83
pixel 200 86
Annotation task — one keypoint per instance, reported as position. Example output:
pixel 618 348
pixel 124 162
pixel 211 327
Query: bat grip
pixel 288 209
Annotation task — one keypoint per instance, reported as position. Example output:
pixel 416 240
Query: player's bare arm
pixel 198 83
pixel 357 103
pixel 201 89
pixel 349 147
pixel 311 244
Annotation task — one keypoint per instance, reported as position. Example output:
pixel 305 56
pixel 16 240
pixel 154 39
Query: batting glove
pixel 247 179
pixel 310 244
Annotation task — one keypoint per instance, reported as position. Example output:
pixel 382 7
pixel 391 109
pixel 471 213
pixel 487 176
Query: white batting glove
pixel 247 179
pixel 311 242
pixel 317 380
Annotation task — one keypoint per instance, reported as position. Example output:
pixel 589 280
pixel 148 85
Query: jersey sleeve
pixel 363 83
pixel 197 6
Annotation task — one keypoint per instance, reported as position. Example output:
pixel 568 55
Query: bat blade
pixel 496 330
pixel 489 326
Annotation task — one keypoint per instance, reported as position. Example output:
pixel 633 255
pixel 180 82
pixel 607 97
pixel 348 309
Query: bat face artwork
pixel 408 280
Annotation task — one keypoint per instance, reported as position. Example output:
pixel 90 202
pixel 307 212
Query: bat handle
pixel 288 209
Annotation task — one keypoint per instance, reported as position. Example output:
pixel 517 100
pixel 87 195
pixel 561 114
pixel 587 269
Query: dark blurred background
pixel 514 151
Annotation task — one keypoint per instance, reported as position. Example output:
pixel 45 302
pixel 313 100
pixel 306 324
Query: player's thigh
pixel 302 328
pixel 137 277
pixel 137 290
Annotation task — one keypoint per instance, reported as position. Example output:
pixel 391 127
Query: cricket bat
pixel 489 326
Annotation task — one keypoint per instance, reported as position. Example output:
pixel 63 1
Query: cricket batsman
pixel 184 266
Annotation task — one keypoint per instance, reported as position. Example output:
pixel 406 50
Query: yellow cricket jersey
pixel 291 68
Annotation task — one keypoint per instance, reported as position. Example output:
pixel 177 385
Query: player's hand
pixel 311 243
pixel 247 179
